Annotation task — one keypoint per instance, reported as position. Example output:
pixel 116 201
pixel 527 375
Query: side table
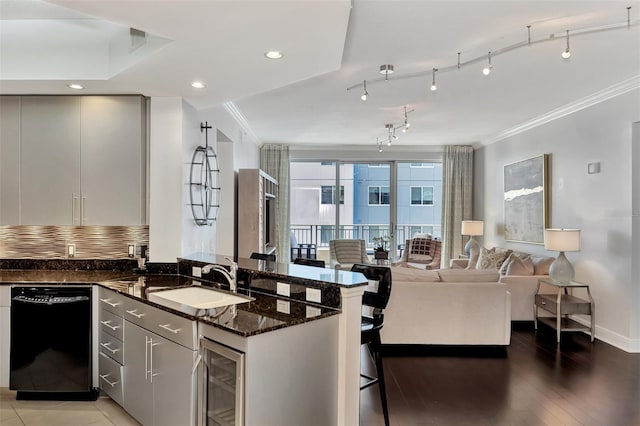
pixel 563 304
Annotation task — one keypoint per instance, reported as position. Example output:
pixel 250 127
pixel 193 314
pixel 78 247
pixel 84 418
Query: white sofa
pixel 447 307
pixel 521 287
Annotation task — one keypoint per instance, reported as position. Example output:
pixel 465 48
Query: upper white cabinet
pixel 81 160
pixel 9 159
pixel 112 160
pixel 50 160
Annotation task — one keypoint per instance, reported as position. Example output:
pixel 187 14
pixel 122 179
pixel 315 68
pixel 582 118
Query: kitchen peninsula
pixel 309 334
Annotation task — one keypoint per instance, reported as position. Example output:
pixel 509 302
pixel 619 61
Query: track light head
pixel 365 94
pixel 487 70
pixel 566 54
pixel 433 81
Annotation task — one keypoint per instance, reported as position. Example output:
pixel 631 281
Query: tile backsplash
pixel 52 242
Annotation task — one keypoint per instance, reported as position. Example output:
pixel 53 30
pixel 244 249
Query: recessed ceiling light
pixel 274 54
pixel 198 85
pixel 75 86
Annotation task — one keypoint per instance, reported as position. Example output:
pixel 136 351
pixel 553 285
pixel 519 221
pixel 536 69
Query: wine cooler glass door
pixel 222 400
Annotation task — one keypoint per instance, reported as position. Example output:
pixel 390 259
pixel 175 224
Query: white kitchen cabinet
pixel 9 160
pixel 159 383
pixel 112 160
pixel 160 351
pixel 81 160
pixel 50 160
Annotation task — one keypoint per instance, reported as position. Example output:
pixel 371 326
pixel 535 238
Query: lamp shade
pixel 562 239
pixel 472 227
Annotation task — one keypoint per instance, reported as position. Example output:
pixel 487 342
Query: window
pixel 378 195
pixel 422 195
pixel 328 194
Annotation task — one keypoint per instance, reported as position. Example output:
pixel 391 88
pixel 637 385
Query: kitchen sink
pixel 196 300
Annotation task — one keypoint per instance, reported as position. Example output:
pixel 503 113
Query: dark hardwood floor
pixel 537 382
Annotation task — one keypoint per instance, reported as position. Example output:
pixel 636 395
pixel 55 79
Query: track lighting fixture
pixel 387 69
pixel 433 80
pixel 487 70
pixel 567 52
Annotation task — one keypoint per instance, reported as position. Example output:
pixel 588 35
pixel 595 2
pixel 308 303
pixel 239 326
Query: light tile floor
pixel 103 412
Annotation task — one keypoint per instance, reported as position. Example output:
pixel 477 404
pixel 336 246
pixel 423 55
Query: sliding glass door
pixel 392 200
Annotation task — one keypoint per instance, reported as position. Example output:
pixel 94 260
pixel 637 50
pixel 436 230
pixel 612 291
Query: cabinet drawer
pixel 111 301
pixel 111 346
pixel 173 327
pixel 111 378
pixel 569 304
pixel 111 324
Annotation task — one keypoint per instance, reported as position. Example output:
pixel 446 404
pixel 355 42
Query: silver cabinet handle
pixel 133 312
pixel 83 209
pixel 108 302
pixel 74 199
pixel 151 345
pixel 104 377
pixel 107 346
pixel 107 323
pixel 166 327
pixel 146 357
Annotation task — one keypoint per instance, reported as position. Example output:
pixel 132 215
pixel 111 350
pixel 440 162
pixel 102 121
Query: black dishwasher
pixel 51 343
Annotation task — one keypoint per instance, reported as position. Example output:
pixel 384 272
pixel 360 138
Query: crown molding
pixel 239 117
pixel 580 104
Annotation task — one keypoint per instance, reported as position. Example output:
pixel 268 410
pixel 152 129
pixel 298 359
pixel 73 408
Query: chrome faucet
pixel 230 275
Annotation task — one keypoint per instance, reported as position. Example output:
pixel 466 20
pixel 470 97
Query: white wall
pixel 635 296
pixel 598 204
pixel 239 152
pixel 174 135
pixel 166 180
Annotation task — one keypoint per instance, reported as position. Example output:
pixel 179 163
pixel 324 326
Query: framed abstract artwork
pixel 526 209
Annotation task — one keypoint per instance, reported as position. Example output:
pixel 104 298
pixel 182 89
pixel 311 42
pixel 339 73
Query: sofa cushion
pixel 491 258
pixel 469 275
pixel 411 274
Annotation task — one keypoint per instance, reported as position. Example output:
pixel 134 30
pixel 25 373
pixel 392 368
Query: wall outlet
pixel 283 289
pixel 71 250
pixel 196 271
pixel 131 250
pixel 312 311
pixel 283 306
pixel 314 295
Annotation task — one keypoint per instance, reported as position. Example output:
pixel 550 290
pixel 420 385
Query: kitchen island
pixel 296 350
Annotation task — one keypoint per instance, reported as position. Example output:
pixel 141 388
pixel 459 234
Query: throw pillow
pixel 491 258
pixel 541 265
pixel 511 258
pixel 519 266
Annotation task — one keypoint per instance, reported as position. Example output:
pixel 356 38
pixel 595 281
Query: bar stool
pixel 371 325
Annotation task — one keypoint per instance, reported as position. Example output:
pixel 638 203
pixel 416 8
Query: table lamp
pixel 562 240
pixel 472 228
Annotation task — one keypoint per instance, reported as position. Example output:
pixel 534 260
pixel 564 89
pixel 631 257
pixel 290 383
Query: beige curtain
pixel 274 160
pixel 457 198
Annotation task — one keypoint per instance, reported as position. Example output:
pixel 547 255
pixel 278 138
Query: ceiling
pixel 329 46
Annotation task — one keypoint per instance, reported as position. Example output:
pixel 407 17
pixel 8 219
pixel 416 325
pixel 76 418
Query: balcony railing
pixel 320 235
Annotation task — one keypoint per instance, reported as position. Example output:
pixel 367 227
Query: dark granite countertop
pixel 263 314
